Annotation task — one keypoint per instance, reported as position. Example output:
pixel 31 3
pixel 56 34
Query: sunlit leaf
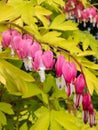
pixel 3 120
pixel 65 119
pixel 59 2
pixel 42 11
pixel 2 79
pixel 6 11
pixel 86 53
pixel 43 121
pixel 47 84
pixel 12 70
pixel 24 127
pixel 59 23
pixel 32 90
pixel 6 108
pixel 91 80
pixel 40 1
pixel 89 64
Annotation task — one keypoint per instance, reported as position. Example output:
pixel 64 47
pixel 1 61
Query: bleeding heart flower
pixel 58 68
pixel 58 65
pixel 85 103
pixel 48 60
pixel 79 8
pixel 84 17
pixel 79 87
pixel 7 37
pixel 69 72
pixel 43 61
pixel 91 119
pixel 91 13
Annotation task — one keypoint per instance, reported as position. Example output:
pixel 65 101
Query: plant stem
pixel 56 47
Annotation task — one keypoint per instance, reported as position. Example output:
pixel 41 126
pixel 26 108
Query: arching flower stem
pixel 53 46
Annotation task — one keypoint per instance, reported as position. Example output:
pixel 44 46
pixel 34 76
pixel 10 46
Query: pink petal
pixel 48 60
pixel 79 84
pixel 37 60
pixel 59 65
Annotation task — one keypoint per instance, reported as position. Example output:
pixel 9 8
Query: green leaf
pixel 32 90
pixel 43 19
pixel 59 2
pixel 42 11
pixel 92 81
pixel 40 1
pixel 64 119
pixel 27 15
pixel 33 29
pixel 2 79
pixel 43 120
pixel 89 64
pixel 6 108
pixel 86 53
pixel 3 120
pixel 14 71
pixel 6 11
pixel 51 37
pixel 24 127
pixel 47 85
pixel 59 23
pixel 55 125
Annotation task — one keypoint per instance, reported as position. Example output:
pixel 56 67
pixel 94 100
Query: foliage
pixel 25 102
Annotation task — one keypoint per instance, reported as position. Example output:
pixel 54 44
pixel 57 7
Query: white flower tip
pixel 42 75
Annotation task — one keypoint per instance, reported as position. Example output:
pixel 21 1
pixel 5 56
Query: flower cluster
pixel 75 8
pixel 30 52
pixel 88 110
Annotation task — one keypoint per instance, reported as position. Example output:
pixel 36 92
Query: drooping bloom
pixel 21 46
pixel 79 8
pixel 7 38
pixel 69 72
pixel 91 119
pixel 95 21
pixel 32 49
pixel 84 17
pixel 79 87
pixel 58 68
pixel 91 13
pixel 85 103
pixel 43 61
pixel 48 60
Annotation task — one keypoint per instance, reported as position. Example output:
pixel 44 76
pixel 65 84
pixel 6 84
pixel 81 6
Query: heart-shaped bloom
pixel 7 37
pixel 85 103
pixel 79 87
pixel 58 68
pixel 79 84
pixel 48 60
pixel 43 61
pixel 58 65
pixel 79 8
pixel 91 119
pixel 69 72
pixel 34 48
pixel 91 13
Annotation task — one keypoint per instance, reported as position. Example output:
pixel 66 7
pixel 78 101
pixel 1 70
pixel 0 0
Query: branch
pixel 58 48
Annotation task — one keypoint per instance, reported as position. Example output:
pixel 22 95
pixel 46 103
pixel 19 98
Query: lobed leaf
pixel 59 23
pixel 6 108
pixel 3 120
